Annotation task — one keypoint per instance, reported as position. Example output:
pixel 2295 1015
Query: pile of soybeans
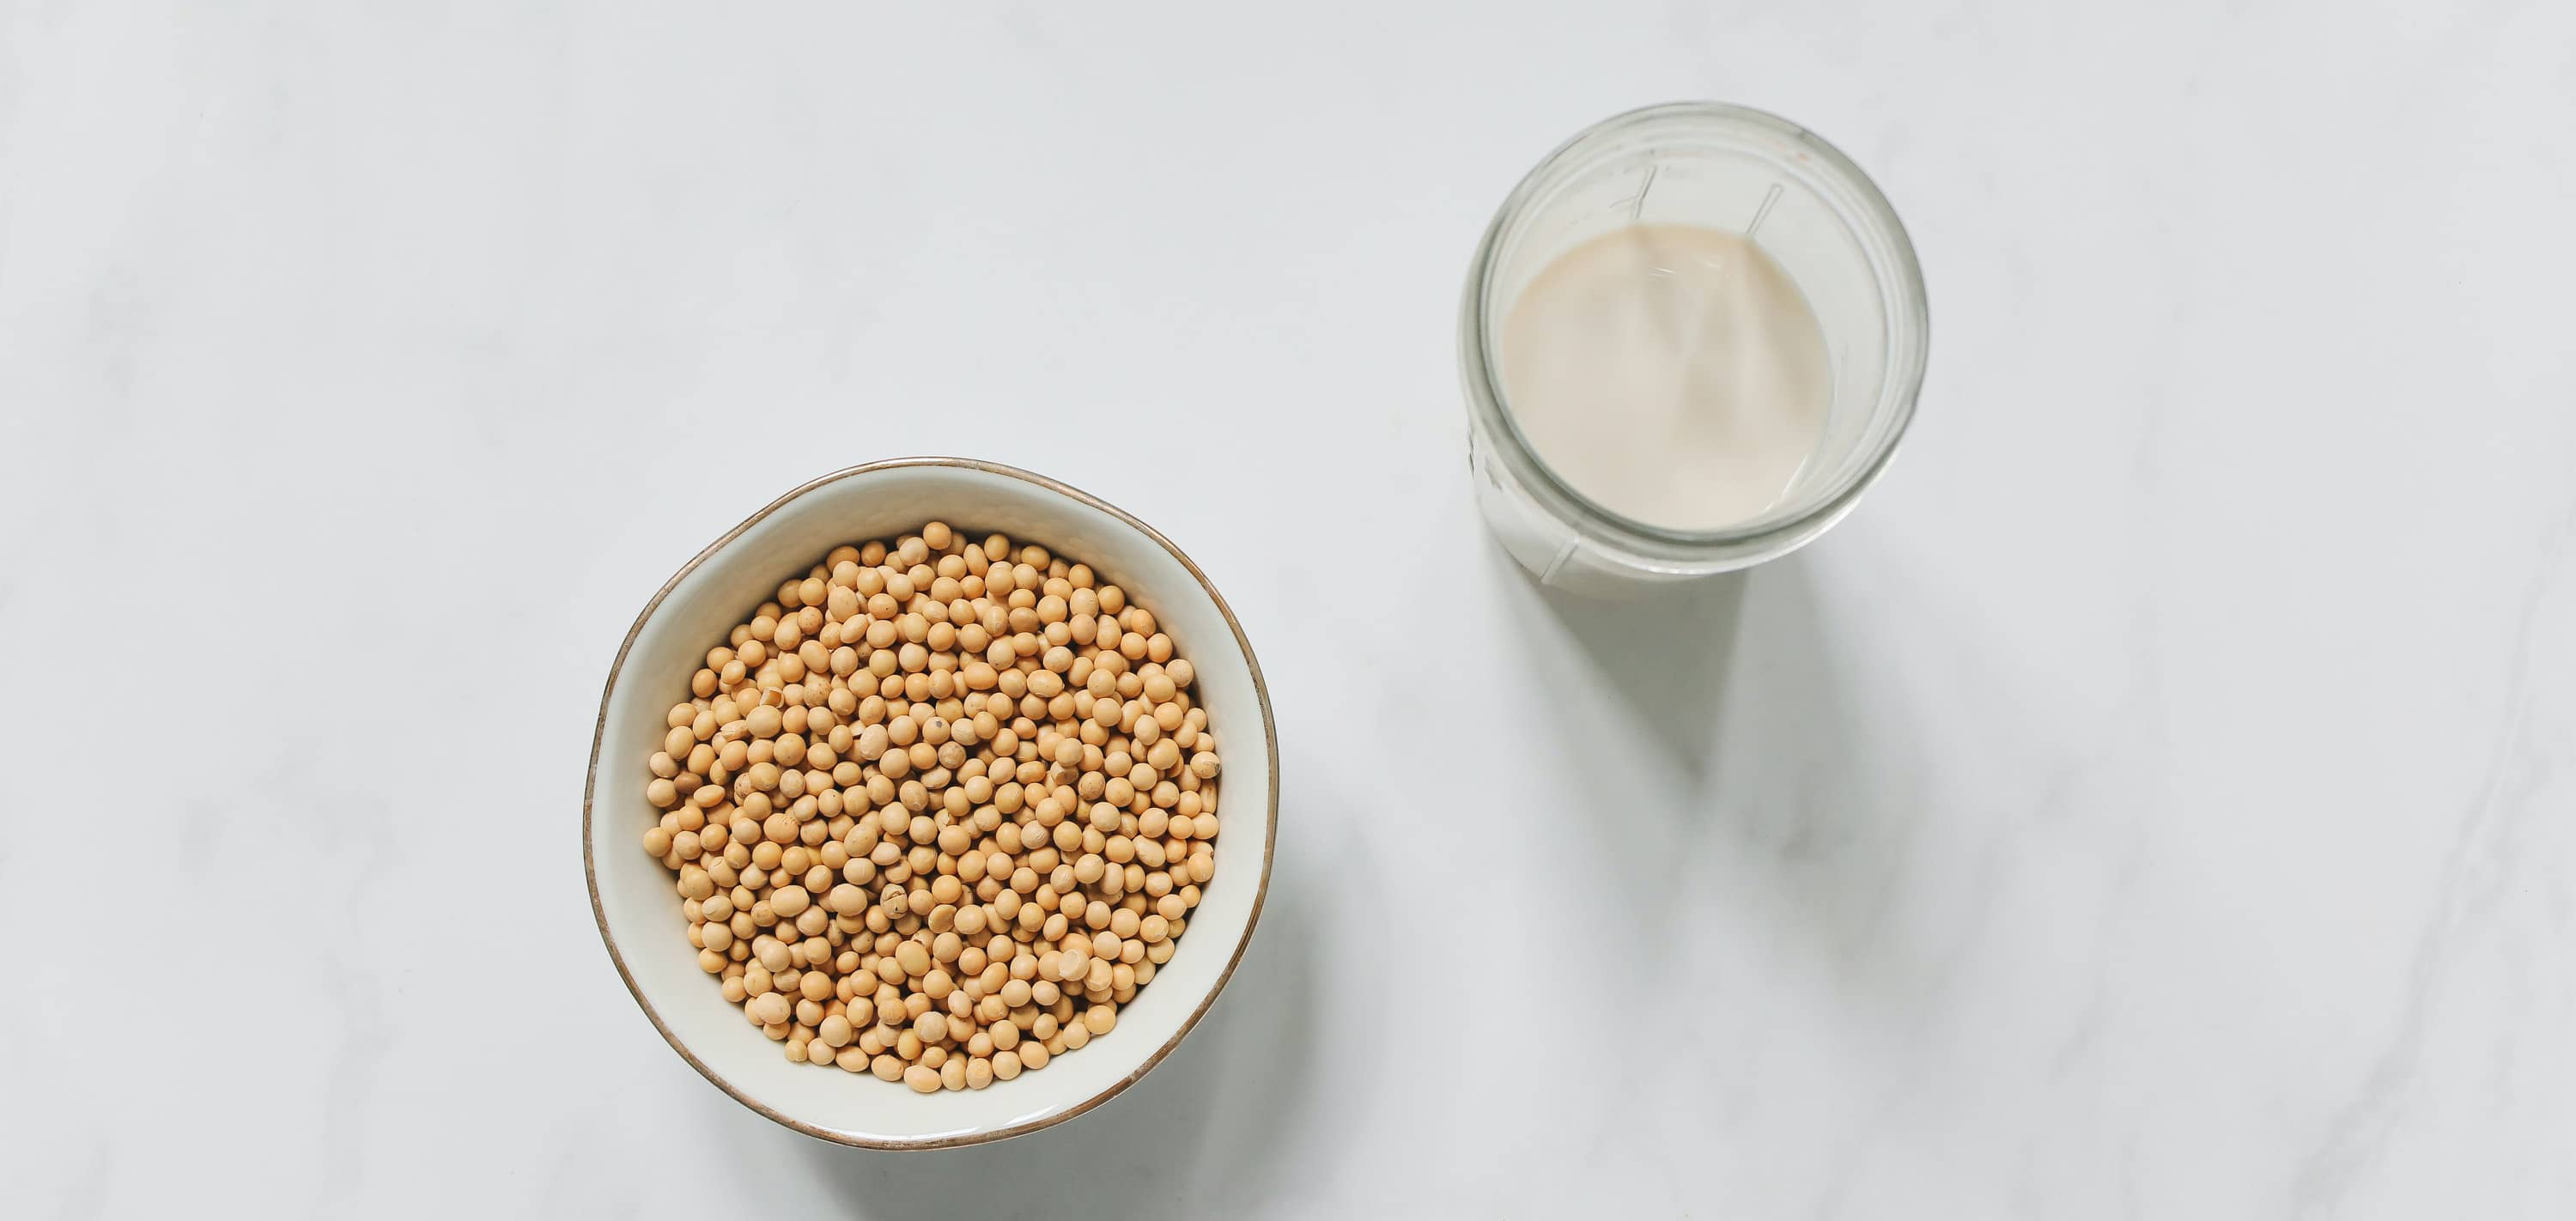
pixel 938 809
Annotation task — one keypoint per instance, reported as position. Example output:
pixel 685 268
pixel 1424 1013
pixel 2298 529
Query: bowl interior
pixel 639 912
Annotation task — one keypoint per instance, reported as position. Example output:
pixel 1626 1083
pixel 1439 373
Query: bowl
pixel 639 913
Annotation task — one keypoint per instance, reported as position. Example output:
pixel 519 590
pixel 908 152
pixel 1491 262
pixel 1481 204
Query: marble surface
pixel 2155 802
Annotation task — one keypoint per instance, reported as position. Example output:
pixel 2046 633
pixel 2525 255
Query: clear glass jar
pixel 1804 204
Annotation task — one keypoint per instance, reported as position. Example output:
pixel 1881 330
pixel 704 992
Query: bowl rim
pixel 599 733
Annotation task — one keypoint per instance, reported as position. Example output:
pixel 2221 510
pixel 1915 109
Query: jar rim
pixel 1892 261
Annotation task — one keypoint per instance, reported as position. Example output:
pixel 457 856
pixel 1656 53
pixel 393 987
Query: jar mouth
pixel 1906 317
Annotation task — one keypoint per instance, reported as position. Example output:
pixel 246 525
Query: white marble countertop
pixel 2155 802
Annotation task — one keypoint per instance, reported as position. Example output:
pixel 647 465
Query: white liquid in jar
pixel 1672 374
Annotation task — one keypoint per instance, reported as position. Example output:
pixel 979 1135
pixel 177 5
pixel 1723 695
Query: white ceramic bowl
pixel 639 915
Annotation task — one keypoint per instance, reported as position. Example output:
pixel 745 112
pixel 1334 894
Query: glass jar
pixel 1718 166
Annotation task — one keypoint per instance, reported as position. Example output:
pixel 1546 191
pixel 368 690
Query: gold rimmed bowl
pixel 639 912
